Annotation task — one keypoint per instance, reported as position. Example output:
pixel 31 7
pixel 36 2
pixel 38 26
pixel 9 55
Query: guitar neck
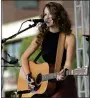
pixel 49 76
pixel 78 71
pixel 52 76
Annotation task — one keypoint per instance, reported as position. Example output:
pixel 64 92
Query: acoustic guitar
pixel 41 75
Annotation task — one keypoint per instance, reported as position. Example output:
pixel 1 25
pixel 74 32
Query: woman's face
pixel 48 17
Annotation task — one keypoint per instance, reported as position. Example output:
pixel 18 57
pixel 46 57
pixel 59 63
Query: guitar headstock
pixel 80 71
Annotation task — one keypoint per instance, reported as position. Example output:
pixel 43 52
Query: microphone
pixel 38 20
pixel 87 37
pixel 13 60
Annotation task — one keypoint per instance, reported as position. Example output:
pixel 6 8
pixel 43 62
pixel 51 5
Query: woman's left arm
pixel 70 47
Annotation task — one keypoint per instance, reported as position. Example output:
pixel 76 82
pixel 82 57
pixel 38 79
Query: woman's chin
pixel 49 25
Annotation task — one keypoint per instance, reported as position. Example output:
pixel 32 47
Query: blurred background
pixel 15 12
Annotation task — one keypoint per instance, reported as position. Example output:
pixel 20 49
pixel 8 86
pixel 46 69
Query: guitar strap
pixel 60 50
pixel 36 58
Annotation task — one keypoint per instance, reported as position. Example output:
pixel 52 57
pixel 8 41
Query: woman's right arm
pixel 29 51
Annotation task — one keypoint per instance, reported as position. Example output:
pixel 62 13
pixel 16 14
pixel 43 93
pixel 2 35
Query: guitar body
pixel 35 69
pixel 45 87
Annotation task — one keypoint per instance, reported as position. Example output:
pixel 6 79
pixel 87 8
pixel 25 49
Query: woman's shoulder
pixel 70 39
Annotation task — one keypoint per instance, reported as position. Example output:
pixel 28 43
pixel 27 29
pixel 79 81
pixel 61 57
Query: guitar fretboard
pixel 79 71
pixel 49 76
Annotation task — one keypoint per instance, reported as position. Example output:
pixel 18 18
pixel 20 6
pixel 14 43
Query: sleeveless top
pixel 49 48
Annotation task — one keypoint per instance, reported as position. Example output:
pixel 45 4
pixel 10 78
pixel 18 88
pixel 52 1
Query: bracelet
pixel 28 76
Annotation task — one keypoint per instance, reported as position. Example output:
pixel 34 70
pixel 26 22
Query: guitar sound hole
pixel 38 79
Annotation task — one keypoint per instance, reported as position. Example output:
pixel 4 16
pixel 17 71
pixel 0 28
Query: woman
pixel 57 22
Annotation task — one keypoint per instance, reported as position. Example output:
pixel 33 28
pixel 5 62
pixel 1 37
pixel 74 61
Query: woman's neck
pixel 54 29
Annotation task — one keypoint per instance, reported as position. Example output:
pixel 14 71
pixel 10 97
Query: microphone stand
pixel 5 39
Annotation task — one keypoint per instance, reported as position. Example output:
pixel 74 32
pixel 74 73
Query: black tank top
pixel 49 48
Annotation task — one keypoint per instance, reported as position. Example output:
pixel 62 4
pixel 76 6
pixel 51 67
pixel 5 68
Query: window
pixel 27 4
pixel 13 49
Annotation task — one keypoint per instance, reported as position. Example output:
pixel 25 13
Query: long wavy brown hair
pixel 60 18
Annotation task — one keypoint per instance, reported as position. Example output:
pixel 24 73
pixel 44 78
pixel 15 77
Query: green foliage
pixel 25 43
pixel 74 65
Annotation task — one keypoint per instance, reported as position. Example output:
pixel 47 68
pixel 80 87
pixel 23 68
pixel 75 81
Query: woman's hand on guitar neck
pixel 62 74
pixel 30 81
